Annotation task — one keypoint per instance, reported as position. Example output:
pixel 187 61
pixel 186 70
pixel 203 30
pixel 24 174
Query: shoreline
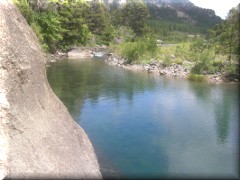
pixel 174 70
pixel 76 53
pixel 157 68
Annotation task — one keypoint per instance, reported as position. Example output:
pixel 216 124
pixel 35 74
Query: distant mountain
pixel 182 11
pixel 159 2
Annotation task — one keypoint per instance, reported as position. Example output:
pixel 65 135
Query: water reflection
pixel 147 126
pixel 74 81
pixel 222 111
pixel 223 100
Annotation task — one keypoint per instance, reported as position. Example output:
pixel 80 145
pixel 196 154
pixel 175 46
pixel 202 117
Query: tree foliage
pixel 225 39
pixel 133 15
pixel 74 28
pixel 51 30
pixel 25 9
pixel 97 18
pixel 225 36
pixel 68 23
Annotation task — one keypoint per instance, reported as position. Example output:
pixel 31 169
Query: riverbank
pixel 154 67
pixel 75 53
pixel 173 70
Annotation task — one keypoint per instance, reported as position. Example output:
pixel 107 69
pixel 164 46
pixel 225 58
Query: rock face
pixel 38 137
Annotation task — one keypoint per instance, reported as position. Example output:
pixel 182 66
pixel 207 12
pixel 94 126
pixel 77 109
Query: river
pixel 143 125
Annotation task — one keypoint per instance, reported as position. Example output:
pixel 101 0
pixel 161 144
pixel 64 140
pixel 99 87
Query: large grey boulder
pixel 38 137
pixel 80 53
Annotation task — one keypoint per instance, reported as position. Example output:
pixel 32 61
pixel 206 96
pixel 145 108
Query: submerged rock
pixel 38 137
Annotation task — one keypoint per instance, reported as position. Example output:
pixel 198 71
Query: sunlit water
pixel 150 126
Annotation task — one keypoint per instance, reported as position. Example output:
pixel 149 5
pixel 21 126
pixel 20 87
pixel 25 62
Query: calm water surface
pixel 149 126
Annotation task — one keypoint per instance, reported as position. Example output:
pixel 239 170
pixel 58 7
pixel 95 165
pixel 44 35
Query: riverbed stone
pixel 38 137
pixel 80 53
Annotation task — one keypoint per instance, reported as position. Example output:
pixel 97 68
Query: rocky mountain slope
pixel 38 137
pixel 182 11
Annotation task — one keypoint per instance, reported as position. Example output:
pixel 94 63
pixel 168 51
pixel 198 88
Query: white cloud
pixel 221 7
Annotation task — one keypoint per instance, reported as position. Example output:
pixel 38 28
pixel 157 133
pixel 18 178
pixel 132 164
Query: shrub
pixel 124 34
pixel 138 50
pixel 182 51
pixel 197 77
pixel 107 36
pixel 167 61
pixel 204 62
pixel 25 10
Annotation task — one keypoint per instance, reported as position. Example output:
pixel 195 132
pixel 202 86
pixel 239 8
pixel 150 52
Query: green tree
pixel 75 30
pixel 133 15
pixel 225 36
pixel 50 29
pixel 25 10
pixel 97 18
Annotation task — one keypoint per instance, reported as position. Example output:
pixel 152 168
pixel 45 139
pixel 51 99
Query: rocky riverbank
pixel 77 53
pixel 154 67
pixel 158 68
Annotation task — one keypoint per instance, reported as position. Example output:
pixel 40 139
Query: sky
pixel 221 7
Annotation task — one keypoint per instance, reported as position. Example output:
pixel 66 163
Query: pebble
pixel 157 67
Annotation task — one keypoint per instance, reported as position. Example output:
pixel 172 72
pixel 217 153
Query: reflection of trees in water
pixel 221 100
pixel 224 109
pixel 223 112
pixel 202 91
pixel 75 81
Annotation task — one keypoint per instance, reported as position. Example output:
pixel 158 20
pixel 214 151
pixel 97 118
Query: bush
pixel 107 36
pixel 182 51
pixel 197 77
pixel 232 70
pixel 25 10
pixel 167 61
pixel 204 62
pixel 124 34
pixel 139 50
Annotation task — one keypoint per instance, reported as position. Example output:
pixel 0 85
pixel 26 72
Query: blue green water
pixel 143 125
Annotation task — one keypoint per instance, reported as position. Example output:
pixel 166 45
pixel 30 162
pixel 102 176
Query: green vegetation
pixel 190 15
pixel 66 24
pixel 216 52
pixel 131 30
pixel 133 15
pixel 61 25
pixel 175 22
pixel 174 32
pixel 138 51
pixel 197 78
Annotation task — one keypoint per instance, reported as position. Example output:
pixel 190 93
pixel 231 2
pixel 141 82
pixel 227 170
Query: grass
pixel 197 77
pixel 139 51
pixel 144 51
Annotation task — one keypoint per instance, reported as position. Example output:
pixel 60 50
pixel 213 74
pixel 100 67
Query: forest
pixel 131 30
